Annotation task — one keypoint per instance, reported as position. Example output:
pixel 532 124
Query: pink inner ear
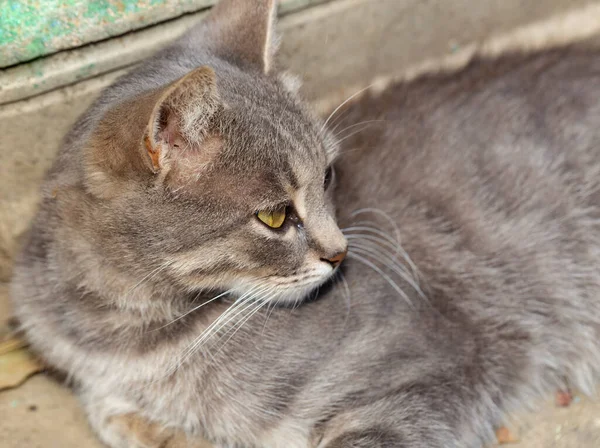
pixel 175 140
pixel 170 133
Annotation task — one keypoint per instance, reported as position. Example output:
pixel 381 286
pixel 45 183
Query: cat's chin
pixel 294 297
pixel 287 291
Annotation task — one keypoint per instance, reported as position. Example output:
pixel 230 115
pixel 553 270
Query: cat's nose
pixel 336 259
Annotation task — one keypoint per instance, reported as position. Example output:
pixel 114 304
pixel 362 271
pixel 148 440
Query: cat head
pixel 220 179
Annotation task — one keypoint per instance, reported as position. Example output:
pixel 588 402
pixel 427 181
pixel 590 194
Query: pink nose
pixel 336 259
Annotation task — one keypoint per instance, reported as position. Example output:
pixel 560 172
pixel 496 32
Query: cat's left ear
pixel 180 121
pixel 243 31
pixel 170 130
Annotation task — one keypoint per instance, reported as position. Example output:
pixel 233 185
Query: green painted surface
pixel 34 28
pixel 34 32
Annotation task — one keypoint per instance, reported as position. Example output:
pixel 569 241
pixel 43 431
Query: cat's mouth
pixel 291 289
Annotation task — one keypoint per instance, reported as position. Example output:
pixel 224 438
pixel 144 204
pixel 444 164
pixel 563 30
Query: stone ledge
pixel 116 49
pixel 36 28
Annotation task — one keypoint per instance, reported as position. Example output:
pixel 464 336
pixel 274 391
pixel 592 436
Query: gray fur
pixel 489 180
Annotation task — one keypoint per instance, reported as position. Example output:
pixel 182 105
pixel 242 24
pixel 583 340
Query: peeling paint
pixel 33 28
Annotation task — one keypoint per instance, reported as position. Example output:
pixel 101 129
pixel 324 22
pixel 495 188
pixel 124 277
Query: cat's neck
pixel 140 312
pixel 143 299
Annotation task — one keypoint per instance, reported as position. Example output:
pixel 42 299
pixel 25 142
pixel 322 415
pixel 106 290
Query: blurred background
pixel 56 55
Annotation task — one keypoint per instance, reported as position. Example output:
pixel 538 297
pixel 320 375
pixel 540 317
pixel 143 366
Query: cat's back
pixel 518 123
pixel 491 175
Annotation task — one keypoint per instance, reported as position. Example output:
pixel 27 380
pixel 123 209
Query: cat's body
pixel 491 178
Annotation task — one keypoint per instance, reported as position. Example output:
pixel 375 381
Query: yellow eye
pixel 272 218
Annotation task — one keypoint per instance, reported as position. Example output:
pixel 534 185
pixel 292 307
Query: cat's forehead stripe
pixel 292 178
pixel 295 133
pixel 299 200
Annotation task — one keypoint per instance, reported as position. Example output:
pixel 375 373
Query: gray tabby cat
pixel 200 180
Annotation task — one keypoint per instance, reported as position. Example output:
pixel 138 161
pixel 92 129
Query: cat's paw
pixel 369 438
pixel 133 431
pixel 119 424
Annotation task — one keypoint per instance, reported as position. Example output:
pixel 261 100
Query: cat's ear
pixel 159 132
pixel 180 120
pixel 243 31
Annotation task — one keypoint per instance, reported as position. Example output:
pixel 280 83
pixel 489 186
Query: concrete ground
pixel 42 413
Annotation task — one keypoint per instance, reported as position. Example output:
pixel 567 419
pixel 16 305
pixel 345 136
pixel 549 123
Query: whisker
pixel 367 122
pixel 393 264
pixel 396 243
pixel 210 330
pixel 270 308
pixel 192 310
pixel 221 322
pixel 397 248
pixel 338 120
pixel 352 134
pixel 242 301
pixel 342 105
pixel 382 213
pixel 348 151
pixel 257 300
pixel 361 227
pixel 348 296
pixel 383 236
pixel 259 305
pixel 387 278
pixel 382 255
